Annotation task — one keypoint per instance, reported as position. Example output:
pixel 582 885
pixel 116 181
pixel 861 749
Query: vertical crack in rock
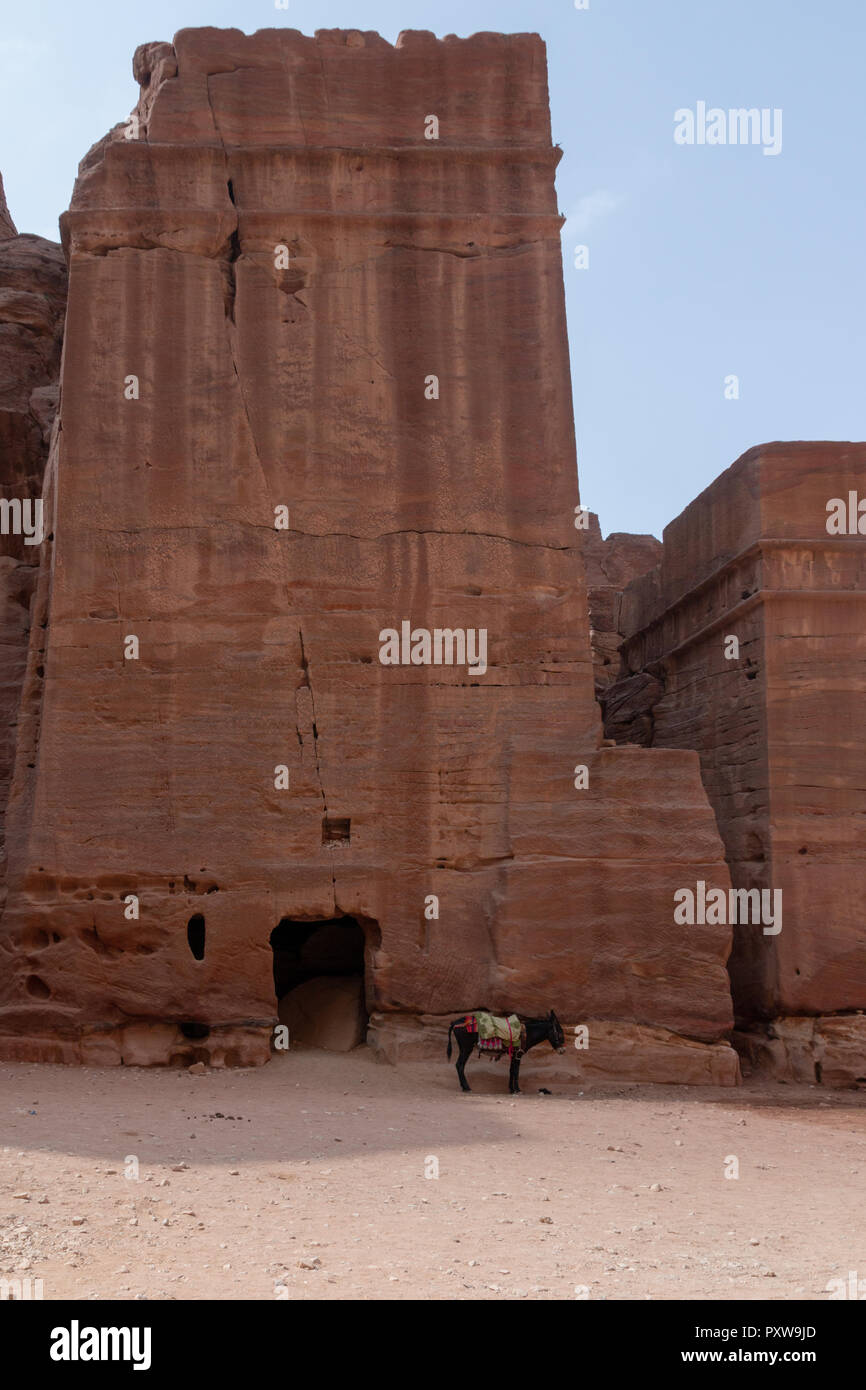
pixel 230 261
pixel 305 667
pixel 324 83
pixel 216 128
pixel 234 255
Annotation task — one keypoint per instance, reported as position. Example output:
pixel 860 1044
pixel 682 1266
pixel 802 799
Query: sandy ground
pixel 306 1179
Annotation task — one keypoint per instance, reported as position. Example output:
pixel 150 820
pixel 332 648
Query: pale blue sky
pixel 704 261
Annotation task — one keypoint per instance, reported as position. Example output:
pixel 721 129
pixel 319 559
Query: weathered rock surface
pixel 779 726
pixel 142 1044
pixel 32 307
pixel 282 262
pixel 610 565
pixel 828 1050
pixel 627 707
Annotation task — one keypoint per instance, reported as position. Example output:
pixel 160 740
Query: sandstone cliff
pixel 777 722
pixel 288 301
pixel 611 563
pixel 32 307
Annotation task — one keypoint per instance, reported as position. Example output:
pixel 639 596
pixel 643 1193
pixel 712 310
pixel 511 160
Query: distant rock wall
pixel 32 308
pixel 778 724
pixel 611 564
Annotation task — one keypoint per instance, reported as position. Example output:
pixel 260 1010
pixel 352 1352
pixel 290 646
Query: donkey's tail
pixel 450 1031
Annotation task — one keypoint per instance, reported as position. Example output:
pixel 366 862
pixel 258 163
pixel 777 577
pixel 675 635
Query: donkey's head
pixel 555 1033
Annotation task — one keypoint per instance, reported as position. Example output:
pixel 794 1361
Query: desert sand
pixel 305 1179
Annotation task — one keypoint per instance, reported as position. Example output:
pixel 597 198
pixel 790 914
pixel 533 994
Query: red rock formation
pixel 779 727
pixel 7 226
pixel 610 565
pixel 829 1050
pixel 282 261
pixel 32 305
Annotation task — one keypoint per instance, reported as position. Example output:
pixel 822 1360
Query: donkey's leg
pixel 465 1053
pixel 514 1077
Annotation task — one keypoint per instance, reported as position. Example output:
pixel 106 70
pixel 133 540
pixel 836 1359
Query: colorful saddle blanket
pixel 497 1035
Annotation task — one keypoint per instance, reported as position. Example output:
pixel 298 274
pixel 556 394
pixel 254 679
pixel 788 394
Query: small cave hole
pixel 804 850
pixel 336 830
pixel 195 1031
pixel 195 935
pixel 36 988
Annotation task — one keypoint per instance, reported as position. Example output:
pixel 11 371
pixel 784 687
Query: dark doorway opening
pixel 195 1031
pixel 319 981
pixel 303 950
pixel 195 935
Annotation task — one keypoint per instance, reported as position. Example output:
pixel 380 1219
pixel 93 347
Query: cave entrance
pixel 319 981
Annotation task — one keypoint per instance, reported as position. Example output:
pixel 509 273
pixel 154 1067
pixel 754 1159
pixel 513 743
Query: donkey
pixel 535 1030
